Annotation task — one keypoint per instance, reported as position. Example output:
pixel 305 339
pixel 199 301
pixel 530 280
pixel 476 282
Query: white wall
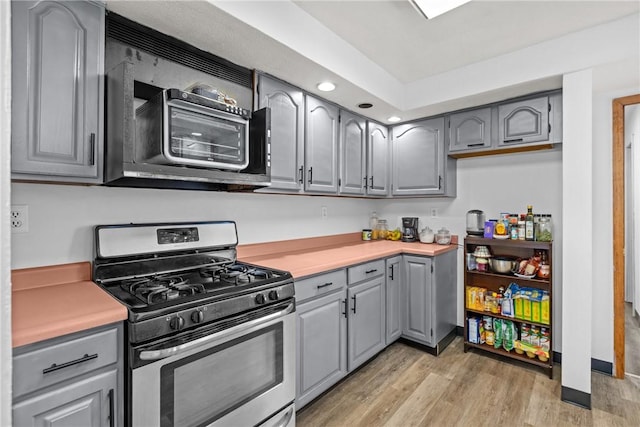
pixel 5 193
pixel 578 213
pixel 504 183
pixel 61 217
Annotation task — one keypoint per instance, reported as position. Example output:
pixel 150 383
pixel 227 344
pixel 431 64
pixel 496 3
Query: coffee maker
pixel 409 229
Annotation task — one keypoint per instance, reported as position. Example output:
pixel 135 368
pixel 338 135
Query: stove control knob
pixel 197 316
pixel 273 295
pixel 260 299
pixel 177 323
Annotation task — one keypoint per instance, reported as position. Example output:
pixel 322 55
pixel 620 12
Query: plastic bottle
pixel 373 220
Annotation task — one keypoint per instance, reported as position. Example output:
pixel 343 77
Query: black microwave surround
pixel 139 157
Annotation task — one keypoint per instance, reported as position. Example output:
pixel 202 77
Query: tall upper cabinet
pixel 287 132
pixel 57 75
pixel 378 152
pixel 353 151
pixel 420 164
pixel 321 146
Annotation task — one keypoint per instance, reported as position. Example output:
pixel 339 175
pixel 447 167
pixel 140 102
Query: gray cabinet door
pixel 366 334
pixel 470 130
pixel 353 144
pixel 57 72
pixel 417 299
pixel 418 158
pixel 378 154
pixel 523 122
pixel 321 146
pixel 393 319
pixel 89 402
pixel 287 132
pixel 321 353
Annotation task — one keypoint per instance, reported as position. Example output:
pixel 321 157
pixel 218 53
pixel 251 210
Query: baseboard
pixel 576 397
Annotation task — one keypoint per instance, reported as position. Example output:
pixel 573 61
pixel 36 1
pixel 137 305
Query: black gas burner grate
pixel 161 288
pixel 235 275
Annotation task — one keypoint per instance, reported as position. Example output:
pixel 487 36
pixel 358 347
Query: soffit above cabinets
pixel 383 52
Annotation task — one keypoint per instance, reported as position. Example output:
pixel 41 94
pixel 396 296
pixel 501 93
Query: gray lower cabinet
pixel 321 146
pixel 57 80
pixel 420 164
pixel 429 298
pixel 86 403
pixel 353 150
pixel 287 132
pixel 366 325
pixel 377 180
pixel 322 334
pixel 393 313
pixel 75 380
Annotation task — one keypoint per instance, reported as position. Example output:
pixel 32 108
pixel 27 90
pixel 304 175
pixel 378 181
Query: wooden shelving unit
pixel 493 281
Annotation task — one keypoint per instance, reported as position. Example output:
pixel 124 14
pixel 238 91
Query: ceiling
pixel 372 50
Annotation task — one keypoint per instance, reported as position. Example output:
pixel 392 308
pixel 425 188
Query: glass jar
pixel 382 230
pixel 544 231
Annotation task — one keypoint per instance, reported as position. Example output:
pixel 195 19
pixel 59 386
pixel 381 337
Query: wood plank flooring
pixel 404 386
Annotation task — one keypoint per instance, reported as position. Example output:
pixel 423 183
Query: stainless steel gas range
pixel 210 340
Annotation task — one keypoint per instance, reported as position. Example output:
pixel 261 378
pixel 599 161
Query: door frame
pixel 619 231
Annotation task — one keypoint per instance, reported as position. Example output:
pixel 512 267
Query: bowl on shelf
pixel 502 264
pixel 482 252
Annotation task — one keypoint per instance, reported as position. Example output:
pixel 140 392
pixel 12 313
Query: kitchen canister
pixel 366 234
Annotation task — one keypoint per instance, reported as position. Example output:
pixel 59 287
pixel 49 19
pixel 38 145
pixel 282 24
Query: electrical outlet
pixel 323 212
pixel 434 212
pixel 19 219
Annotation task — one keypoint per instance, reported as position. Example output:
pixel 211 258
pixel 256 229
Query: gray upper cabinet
pixel 417 299
pixel 321 146
pixel 287 132
pixel 57 82
pixel 378 154
pixel 353 149
pixel 523 122
pixel 470 129
pixel 418 158
pixel 393 317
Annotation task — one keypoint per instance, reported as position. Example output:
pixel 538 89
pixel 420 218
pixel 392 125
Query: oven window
pixel 201 388
pixel 208 138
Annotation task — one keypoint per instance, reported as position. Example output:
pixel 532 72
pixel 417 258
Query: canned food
pixel 366 234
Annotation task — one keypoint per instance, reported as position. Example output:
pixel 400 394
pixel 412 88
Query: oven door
pixel 240 375
pixel 199 136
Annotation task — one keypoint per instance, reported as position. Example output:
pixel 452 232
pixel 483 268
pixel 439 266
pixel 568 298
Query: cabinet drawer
pixel 58 362
pixel 365 271
pixel 320 285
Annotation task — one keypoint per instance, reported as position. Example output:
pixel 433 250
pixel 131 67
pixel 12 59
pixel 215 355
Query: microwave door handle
pixel 179 349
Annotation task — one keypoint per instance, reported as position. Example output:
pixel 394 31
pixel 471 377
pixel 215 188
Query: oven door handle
pixel 171 351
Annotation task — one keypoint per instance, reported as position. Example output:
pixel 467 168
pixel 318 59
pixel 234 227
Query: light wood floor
pixel 404 386
pixel 631 341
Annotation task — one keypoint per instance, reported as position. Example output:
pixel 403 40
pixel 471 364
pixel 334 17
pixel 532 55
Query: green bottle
pixel 528 224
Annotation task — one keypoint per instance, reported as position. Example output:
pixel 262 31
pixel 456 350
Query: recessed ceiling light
pixel 365 105
pixel 432 8
pixel 326 86
pixel 394 119
pixel 196 134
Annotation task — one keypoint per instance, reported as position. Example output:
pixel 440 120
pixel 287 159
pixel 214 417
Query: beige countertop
pixel 306 257
pixel 52 301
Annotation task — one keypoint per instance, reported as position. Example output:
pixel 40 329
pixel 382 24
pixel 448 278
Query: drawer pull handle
pixel 510 141
pixel 371 271
pixel 325 285
pixel 479 144
pixel 55 367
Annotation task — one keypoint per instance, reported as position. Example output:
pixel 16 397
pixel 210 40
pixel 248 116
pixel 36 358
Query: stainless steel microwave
pixel 183 128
